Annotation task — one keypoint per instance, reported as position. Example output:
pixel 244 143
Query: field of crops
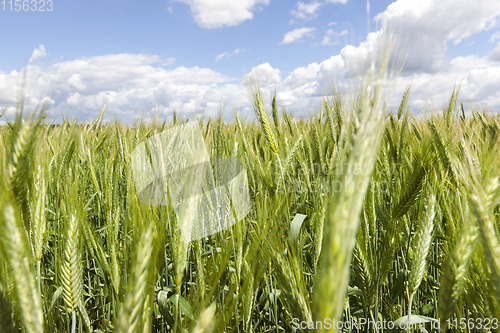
pixel 402 217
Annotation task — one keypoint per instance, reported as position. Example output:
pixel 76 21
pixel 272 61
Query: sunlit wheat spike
pixel 264 123
pixel 443 151
pixel 365 271
pixel 275 112
pixel 344 210
pixel 329 118
pixel 292 154
pixel 404 101
pixel 22 142
pixel 97 123
pixel 21 139
pixel 71 270
pixel 14 245
pixel 288 120
pixel 403 138
pixel 462 115
pixel 480 199
pixel 132 310
pixel 456 268
pixel 479 203
pixel 422 244
pixel 339 113
pixel 317 145
pixel 39 220
pixel 451 107
pixel 411 194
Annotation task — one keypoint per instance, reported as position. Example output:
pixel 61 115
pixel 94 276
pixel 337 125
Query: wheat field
pixel 401 223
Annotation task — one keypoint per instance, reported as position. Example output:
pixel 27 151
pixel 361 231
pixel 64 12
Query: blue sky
pixel 192 55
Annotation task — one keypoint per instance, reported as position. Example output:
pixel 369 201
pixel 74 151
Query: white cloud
pixel 228 54
pixel 306 10
pixel 357 58
pixel 330 34
pixel 495 36
pixel 127 83
pixel 297 34
pixel 130 84
pixel 479 79
pixel 338 1
pixel 219 13
pixel 428 25
pixel 75 99
pixel 76 82
pixel 317 75
pixel 495 53
pixel 38 53
pixel 266 74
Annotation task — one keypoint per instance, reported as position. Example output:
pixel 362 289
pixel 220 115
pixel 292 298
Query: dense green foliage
pixel 80 252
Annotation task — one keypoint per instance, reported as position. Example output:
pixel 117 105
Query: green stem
pixel 73 321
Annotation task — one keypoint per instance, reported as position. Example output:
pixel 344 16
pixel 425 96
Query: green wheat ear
pixel 71 270
pixel 481 198
pixel 345 207
pixel 15 216
pixel 14 247
pixel 451 107
pixel 422 243
pixel 264 123
pixel 137 300
pixel 404 102
pixel 275 112
pixel 456 267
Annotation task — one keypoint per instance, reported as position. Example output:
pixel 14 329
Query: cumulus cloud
pixel 495 36
pixel 216 14
pixel 38 53
pixel 428 25
pixel 76 82
pixel 356 59
pixel 127 83
pixel 228 54
pixel 322 72
pixel 479 78
pixel 495 53
pixel 306 10
pixel 338 1
pixel 297 34
pixel 130 84
pixel 331 34
pixel 266 74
